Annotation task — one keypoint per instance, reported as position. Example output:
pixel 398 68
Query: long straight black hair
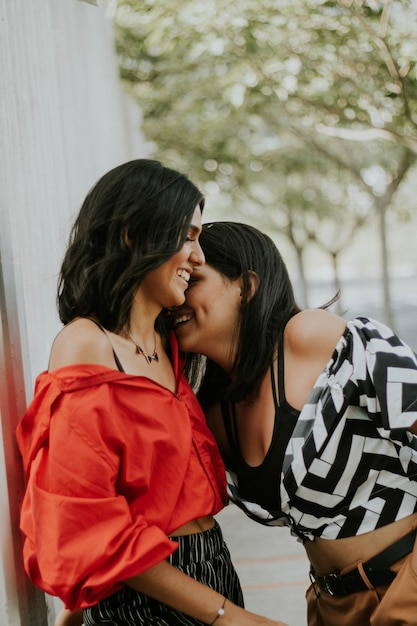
pixel 235 250
pixel 134 219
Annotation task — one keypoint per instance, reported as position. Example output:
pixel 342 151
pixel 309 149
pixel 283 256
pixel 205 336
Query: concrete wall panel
pixel 63 123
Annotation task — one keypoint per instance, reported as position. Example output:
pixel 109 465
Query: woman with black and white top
pixel 316 419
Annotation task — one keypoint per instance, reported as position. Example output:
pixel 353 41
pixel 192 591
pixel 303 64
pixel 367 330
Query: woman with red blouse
pixel 123 475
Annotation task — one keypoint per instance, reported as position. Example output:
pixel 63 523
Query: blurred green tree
pixel 301 113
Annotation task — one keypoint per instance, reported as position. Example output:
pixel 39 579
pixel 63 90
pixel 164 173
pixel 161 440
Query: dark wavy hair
pixel 134 219
pixel 234 250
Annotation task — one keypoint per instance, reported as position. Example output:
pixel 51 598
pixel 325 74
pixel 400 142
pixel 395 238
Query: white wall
pixel 63 123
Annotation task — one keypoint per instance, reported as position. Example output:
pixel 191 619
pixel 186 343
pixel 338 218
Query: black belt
pixel 376 569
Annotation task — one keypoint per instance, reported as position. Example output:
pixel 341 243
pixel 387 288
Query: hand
pixel 236 616
pixel 69 618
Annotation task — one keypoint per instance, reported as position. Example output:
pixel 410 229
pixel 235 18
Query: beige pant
pixel 394 604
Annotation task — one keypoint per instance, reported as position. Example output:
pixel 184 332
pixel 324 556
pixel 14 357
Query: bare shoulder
pixel 310 338
pixel 81 341
pixel 314 330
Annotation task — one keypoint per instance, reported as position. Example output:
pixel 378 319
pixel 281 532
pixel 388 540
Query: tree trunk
pixel 303 299
pixel 337 285
pixel 387 312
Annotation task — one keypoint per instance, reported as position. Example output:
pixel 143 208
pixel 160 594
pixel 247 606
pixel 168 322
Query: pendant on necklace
pixel 139 350
pixel 149 357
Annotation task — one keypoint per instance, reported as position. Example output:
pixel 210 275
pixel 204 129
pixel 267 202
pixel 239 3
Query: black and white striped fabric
pixel 203 556
pixel 351 464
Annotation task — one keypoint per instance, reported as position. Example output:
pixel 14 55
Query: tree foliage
pixel 302 114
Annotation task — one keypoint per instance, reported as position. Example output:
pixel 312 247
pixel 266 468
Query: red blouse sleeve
pixel 82 537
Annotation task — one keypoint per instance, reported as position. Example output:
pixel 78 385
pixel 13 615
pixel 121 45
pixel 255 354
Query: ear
pixel 253 284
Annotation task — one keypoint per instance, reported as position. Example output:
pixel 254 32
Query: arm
pixel 386 368
pixel 69 618
pixel 310 339
pixel 71 501
pixel 385 371
pixel 167 584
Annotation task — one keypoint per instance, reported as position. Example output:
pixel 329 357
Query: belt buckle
pixel 333 585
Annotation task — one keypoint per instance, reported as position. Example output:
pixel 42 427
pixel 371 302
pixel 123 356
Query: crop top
pixel 350 464
pixel 261 483
pixel 115 463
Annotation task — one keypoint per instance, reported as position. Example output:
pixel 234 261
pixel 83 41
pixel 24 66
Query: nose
pixel 197 255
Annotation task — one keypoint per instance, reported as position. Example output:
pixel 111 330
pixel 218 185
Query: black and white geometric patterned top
pixel 351 464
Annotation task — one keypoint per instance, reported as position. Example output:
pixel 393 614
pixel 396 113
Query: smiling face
pixel 166 285
pixel 207 322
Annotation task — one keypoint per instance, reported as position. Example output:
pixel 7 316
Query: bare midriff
pixel 333 555
pixel 199 525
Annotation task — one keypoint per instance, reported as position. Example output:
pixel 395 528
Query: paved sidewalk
pixel 271 564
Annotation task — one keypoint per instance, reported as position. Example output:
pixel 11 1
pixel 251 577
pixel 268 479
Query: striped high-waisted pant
pixel 203 556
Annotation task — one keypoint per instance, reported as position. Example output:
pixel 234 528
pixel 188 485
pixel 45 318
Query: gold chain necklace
pixel 139 350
